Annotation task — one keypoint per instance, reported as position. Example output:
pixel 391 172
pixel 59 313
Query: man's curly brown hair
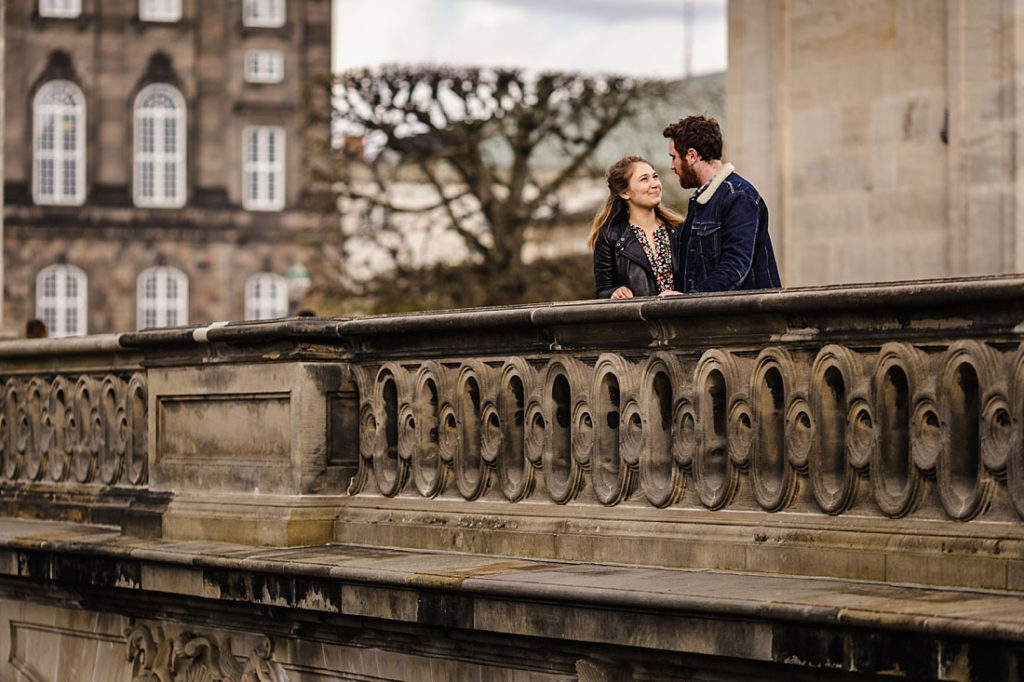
pixel 696 132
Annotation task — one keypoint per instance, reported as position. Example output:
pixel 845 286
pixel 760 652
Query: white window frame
pixel 160 10
pixel 264 66
pixel 165 187
pixel 269 13
pixel 266 296
pixel 263 168
pixel 60 9
pixel 56 104
pixel 161 296
pixel 62 299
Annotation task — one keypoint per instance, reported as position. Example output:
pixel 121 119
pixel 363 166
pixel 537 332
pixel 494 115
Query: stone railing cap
pixel 828 299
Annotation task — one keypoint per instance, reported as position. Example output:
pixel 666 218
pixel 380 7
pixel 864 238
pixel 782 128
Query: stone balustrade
pixel 895 430
pixel 772 428
pixel 797 484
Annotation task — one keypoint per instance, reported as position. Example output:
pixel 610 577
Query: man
pixel 725 243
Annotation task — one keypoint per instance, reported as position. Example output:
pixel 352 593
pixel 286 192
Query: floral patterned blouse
pixel 660 257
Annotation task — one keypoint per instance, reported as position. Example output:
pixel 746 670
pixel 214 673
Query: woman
pixel 633 236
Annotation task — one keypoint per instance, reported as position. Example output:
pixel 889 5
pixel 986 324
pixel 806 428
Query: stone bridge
pixel 816 484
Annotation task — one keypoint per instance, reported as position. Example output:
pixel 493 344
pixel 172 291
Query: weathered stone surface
pixel 756 484
pixel 895 120
pixel 582 608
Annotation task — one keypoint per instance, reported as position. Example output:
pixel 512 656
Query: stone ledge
pixel 735 615
pixel 928 552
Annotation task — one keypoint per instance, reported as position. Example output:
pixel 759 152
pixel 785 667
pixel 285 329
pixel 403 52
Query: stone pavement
pixel 835 624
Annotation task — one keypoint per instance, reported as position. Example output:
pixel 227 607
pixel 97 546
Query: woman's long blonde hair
pixel 619 175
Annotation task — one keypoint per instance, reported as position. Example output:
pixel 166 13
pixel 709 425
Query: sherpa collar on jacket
pixel 705 193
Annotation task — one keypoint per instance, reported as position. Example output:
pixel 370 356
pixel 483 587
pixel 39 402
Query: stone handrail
pixel 73 410
pixel 873 408
pixel 895 400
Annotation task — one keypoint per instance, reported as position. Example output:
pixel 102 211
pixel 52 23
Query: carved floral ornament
pixel 89 429
pixel 894 430
pixel 156 657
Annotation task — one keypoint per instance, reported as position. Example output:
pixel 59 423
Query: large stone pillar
pixel 3 47
pixel 882 133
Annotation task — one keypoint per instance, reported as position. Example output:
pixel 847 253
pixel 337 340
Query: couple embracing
pixel 642 248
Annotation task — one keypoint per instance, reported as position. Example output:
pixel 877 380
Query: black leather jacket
pixel 619 260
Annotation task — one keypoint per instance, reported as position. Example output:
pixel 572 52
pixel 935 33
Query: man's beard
pixel 688 178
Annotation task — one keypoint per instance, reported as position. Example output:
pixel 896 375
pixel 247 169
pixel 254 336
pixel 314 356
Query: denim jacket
pixel 619 260
pixel 725 238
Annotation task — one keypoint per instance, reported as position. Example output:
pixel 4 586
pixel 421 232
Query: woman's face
pixel 644 190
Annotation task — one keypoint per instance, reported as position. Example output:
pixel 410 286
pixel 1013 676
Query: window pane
pixel 146 144
pixel 70 181
pixel 160 147
pixel 50 285
pixel 170 136
pixel 146 180
pixel 271 147
pixel 58 113
pixel 69 137
pixel 170 180
pixel 60 299
pixel 46 133
pixel 253 182
pixel 45 180
pixel 49 317
pixel 253 147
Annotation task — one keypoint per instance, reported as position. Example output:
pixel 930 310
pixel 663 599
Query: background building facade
pixel 156 159
pixel 884 134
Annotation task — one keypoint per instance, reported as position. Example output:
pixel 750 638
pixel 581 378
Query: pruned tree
pixel 493 147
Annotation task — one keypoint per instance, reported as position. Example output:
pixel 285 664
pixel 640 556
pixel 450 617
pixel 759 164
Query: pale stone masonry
pixel 885 135
pixel 110 54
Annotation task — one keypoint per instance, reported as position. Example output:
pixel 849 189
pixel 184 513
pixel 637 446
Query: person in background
pixel 725 242
pixel 634 237
pixel 36 329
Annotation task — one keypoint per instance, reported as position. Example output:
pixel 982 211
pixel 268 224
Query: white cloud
pixel 642 37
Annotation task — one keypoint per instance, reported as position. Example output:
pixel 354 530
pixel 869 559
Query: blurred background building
pixel 155 160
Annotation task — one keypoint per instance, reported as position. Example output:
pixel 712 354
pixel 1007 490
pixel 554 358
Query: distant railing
pixel 73 411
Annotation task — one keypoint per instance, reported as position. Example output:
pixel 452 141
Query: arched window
pixel 58 144
pixel 61 299
pixel 162 294
pixel 263 168
pixel 159 147
pixel 64 9
pixel 263 12
pixel 159 10
pixel 266 296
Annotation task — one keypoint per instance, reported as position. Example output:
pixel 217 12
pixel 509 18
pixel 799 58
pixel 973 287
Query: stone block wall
pixel 882 133
pixel 111 55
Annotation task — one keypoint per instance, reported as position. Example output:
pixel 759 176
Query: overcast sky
pixel 637 37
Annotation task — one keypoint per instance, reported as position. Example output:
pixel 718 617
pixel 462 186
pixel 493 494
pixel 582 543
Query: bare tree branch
pixel 496 142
